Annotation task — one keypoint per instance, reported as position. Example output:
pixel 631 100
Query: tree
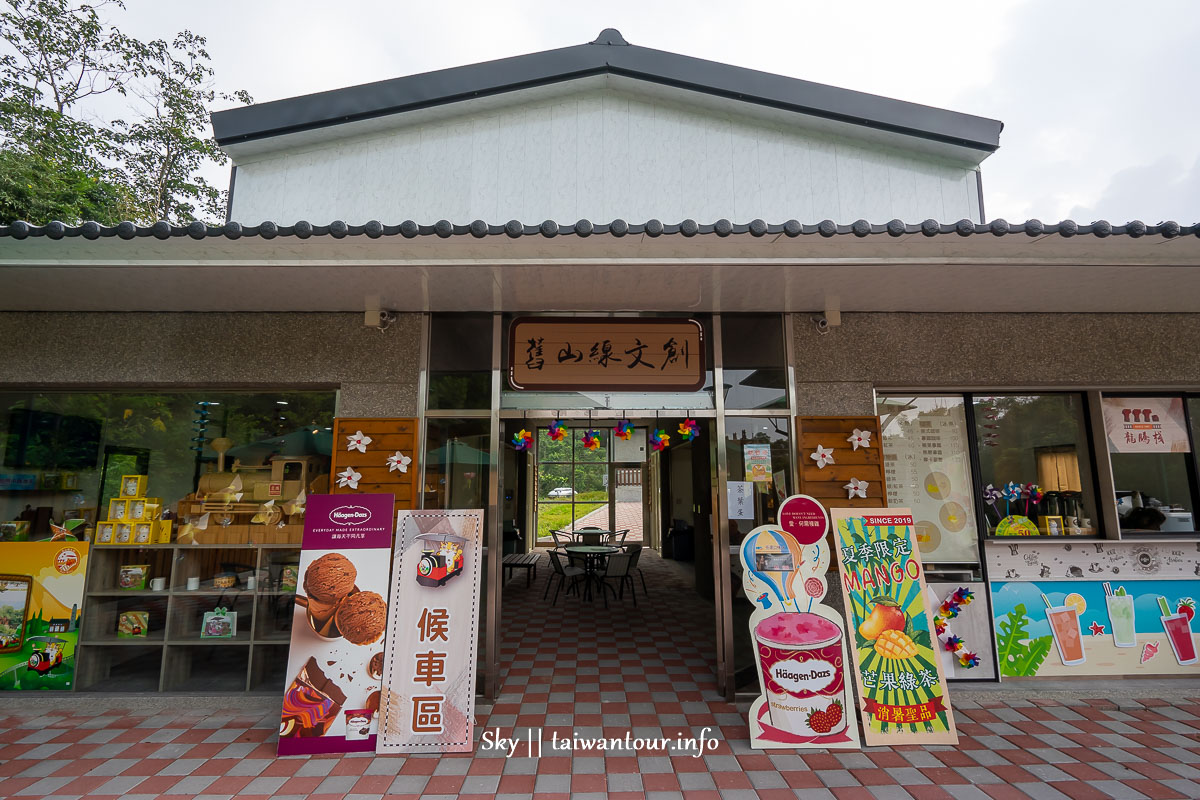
pixel 63 59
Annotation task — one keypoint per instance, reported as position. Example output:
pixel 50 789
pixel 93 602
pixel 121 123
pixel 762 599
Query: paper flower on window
pixel 660 440
pixel 689 429
pixel 558 431
pixel 859 439
pixel 823 456
pixel 358 441
pixel 522 440
pixel 856 488
pixel 398 461
pixel 591 440
pixel 348 477
pixel 990 494
pixel 296 506
pixel 624 430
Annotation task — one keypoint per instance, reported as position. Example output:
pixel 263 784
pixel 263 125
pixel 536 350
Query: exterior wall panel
pixel 600 155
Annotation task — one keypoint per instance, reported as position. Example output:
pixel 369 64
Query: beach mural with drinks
pixel 896 649
pixel 800 647
pixel 1095 608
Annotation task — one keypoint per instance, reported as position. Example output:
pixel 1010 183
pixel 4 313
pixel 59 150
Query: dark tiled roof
pixel 618 227
pixel 608 54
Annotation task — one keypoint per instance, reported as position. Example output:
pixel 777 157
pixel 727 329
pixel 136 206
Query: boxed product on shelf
pixel 106 532
pixel 162 531
pixel 118 508
pixel 143 508
pixel 124 532
pixel 133 576
pixel 133 624
pixel 133 485
pixel 143 532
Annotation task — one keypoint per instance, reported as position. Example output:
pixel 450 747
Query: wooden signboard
pixel 381 452
pixel 606 353
pixel 842 465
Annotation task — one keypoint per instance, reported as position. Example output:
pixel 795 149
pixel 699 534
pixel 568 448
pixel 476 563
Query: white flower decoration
pixel 398 461
pixel 358 441
pixel 349 477
pixel 860 439
pixel 856 487
pixel 823 456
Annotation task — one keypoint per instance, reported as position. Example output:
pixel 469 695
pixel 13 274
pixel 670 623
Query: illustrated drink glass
pixel 1120 616
pixel 1064 624
pixel 1179 632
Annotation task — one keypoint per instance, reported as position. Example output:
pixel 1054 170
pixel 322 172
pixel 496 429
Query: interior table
pixel 593 555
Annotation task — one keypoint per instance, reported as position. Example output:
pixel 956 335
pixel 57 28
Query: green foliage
pixel 60 163
pixel 1019 655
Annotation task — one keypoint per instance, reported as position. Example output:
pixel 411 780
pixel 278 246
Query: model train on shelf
pixel 441 560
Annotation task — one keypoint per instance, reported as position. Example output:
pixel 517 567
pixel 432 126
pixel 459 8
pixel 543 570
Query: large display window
pixel 193 504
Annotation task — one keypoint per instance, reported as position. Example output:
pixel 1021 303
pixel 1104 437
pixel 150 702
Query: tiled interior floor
pixel 577 670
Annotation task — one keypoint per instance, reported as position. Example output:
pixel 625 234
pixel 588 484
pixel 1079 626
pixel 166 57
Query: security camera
pixel 822 324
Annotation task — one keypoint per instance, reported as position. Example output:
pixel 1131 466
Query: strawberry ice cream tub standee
pixel 800 656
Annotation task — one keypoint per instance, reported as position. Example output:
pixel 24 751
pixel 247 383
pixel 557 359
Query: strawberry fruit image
pixel 819 721
pixel 1187 607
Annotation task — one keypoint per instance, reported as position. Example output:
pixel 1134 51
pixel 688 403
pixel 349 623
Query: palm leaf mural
pixel 1020 656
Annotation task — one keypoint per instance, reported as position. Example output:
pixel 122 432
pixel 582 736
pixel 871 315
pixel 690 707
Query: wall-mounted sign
pixel 40 595
pixel 896 653
pixel 606 353
pixel 335 661
pixel 1145 425
pixel 799 642
pixel 758 462
pixel 429 684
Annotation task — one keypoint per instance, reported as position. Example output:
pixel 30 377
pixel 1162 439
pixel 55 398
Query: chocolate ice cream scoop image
pixel 361 617
pixel 330 578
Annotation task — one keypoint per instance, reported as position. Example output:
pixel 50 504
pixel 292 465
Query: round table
pixel 592 554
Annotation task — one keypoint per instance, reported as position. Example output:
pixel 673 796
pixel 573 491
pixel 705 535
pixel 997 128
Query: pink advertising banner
pixel 429 684
pixel 335 663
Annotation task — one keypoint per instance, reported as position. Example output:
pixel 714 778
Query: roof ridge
pixel 410 229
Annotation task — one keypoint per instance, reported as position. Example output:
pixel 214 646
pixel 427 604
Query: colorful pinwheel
pixel 660 440
pixel 823 456
pixel 991 494
pixel 968 660
pixel 522 440
pixel 557 431
pixel 689 429
pixel 591 440
pixel 1012 493
pixel 624 430
pixel 1032 494
pixel 953 643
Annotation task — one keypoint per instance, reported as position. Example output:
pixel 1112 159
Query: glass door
pixel 572 481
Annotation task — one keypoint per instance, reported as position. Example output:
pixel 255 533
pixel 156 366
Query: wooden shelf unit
pixel 173 657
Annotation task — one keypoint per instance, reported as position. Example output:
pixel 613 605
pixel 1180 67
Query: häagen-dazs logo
pixel 350 515
pixel 803 676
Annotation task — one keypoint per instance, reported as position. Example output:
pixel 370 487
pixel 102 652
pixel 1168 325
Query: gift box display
pixel 134 518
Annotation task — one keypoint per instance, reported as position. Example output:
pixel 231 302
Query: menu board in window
pixel 928 469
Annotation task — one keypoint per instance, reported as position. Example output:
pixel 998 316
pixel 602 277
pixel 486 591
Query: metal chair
pixel 590 535
pixel 562 573
pixel 634 551
pixel 561 540
pixel 617 569
pixel 618 538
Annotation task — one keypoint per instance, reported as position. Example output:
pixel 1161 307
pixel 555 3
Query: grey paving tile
pixel 46 786
pixel 195 784
pixel 836 777
pixel 113 766
pixel 264 785
pixel 890 792
pixel 696 781
pixel 336 784
pixel 624 782
pixel 766 780
pixel 480 784
pixel 552 784
pixel 40 769
pixel 119 785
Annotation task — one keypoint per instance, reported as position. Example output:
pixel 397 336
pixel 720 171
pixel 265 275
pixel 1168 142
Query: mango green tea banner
pixel 901 688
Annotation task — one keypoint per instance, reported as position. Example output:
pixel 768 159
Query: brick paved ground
pixel 583 671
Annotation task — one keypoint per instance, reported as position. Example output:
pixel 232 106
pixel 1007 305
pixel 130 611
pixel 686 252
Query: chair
pixel 592 536
pixel 617 569
pixel 634 551
pixel 562 573
pixel 561 539
pixel 618 538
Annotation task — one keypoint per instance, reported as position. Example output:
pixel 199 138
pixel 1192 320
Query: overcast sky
pixel 1097 97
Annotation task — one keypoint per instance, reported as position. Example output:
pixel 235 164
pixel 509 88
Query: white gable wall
pixel 600 154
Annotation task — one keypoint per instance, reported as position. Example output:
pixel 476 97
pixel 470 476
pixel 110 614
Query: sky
pixel 1099 113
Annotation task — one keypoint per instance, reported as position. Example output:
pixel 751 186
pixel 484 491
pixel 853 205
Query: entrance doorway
pixel 656 625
